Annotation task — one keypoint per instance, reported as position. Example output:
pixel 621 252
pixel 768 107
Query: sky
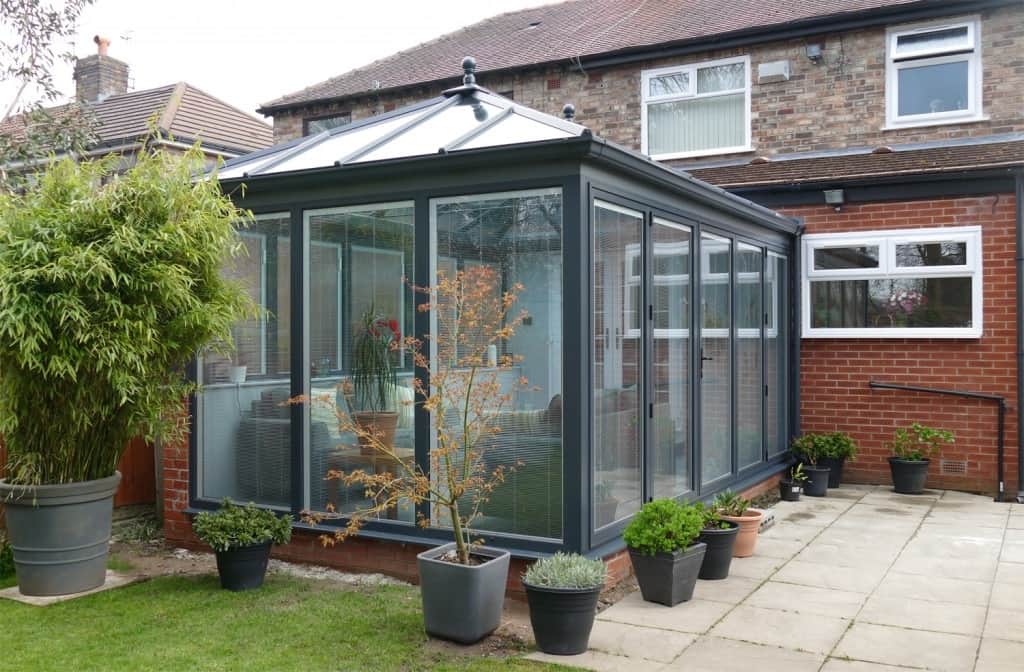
pixel 248 52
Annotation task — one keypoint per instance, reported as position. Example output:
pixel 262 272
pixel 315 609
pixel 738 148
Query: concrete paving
pixel 864 580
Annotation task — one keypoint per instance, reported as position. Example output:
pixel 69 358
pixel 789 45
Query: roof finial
pixel 569 111
pixel 469 67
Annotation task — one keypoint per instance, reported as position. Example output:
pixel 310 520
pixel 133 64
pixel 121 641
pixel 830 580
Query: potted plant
pixel 462 583
pixel 241 537
pixel 809 449
pixel 837 449
pixel 791 486
pixel 606 503
pixel 912 448
pixel 374 378
pixel 664 550
pixel 735 509
pixel 562 592
pixel 720 538
pixel 110 283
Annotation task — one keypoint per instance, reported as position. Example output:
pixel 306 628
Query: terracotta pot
pixel 382 424
pixel 749 523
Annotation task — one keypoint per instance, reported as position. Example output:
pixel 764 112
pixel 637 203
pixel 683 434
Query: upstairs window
pixel 933 74
pixel 696 110
pixel 321 124
pixel 923 283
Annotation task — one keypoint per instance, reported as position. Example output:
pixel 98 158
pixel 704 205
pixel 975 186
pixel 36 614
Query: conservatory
pixel 658 345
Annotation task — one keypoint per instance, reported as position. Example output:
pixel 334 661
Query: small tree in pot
pixel 912 448
pixel 720 537
pixel 809 449
pixel 241 537
pixel 562 591
pixel 736 509
pixel 109 284
pixel 462 583
pixel 663 547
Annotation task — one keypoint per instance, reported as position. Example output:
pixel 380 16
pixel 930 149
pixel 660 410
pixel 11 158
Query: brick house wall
pixel 834 373
pixel 836 104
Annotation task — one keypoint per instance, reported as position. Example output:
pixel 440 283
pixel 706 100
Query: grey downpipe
pixel 1019 189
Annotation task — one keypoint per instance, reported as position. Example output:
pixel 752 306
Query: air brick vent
pixel 952 467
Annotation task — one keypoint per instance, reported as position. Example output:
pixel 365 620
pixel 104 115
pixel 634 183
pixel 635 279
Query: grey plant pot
pixel 462 603
pixel 60 534
pixel 668 578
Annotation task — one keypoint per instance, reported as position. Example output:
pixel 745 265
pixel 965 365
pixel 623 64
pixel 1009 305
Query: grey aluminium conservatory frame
pixel 583 167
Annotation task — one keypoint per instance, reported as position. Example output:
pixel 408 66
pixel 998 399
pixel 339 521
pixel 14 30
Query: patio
pixel 863 581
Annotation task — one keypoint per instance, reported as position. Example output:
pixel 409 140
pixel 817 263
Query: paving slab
pixel 1005 624
pixel 846 555
pixel 931 528
pixel 908 648
pixel 731 590
pixel 1013 551
pixel 842 665
pixel 1008 596
pixel 969 518
pixel 755 567
pixel 779 548
pixel 786 629
pixel 114 580
pixel 1000 655
pixel 956 568
pixel 807 599
pixel 600 662
pixel 953 547
pixel 934 589
pixel 714 654
pixel 854 579
pixel 620 639
pixel 695 616
pixel 1010 572
pixel 959 619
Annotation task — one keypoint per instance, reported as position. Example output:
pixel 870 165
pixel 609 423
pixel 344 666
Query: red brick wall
pixel 834 373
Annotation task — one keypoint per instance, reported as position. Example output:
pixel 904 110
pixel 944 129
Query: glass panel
pixel 616 374
pixel 245 441
pixel 514 129
pixel 888 303
pixel 831 258
pixel 519 235
pixel 314 126
pixel 671 360
pixel 928 89
pixel 722 78
pixel 715 370
pixel 670 84
pixel 697 124
pixel 358 257
pixel 938 253
pixel 749 390
pixel 934 42
pixel 776 370
pixel 435 132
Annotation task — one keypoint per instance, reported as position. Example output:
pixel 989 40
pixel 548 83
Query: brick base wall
pixel 834 373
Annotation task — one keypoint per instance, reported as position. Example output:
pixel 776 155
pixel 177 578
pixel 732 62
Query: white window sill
pixel 922 333
pixel 899 126
pixel 704 152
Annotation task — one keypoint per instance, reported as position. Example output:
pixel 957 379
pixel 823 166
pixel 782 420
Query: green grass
pixel 189 623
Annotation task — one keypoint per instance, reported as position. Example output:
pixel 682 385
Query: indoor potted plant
pixel 733 508
pixel 720 537
pixel 462 583
pixel 241 537
pixel 110 283
pixel 562 592
pixel 374 378
pixel 912 448
pixel 809 448
pixel 606 503
pixel 837 449
pixel 792 484
pixel 664 550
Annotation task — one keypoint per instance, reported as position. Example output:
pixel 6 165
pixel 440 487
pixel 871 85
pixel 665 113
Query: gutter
pixel 1020 330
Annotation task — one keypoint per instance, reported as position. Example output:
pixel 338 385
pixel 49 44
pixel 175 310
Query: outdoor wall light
pixel 814 52
pixel 835 197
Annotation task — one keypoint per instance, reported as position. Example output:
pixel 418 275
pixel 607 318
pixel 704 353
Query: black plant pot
pixel 718 556
pixel 816 484
pixel 835 469
pixel 562 618
pixel 243 568
pixel 668 578
pixel 789 491
pixel 908 476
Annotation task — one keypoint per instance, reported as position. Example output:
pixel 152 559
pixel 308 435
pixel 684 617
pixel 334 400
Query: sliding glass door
pixel 715 358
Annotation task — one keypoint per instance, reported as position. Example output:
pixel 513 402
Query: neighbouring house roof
pixel 870 164
pixel 573 31
pixel 180 110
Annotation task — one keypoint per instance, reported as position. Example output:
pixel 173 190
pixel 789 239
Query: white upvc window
pixel 906 283
pixel 933 73
pixel 699 109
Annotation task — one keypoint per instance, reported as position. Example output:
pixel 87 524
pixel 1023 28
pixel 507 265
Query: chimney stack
pixel 100 76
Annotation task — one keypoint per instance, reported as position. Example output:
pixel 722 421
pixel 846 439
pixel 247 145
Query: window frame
pixel 306 121
pixel 691 70
pixel 887 241
pixel 894 63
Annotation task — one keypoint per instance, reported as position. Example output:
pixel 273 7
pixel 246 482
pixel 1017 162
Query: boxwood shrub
pixel 663 526
pixel 234 526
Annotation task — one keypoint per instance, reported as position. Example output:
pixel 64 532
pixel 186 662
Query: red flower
pixel 393 326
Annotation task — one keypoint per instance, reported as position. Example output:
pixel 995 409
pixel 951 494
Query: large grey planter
pixel 462 602
pixel 668 578
pixel 60 534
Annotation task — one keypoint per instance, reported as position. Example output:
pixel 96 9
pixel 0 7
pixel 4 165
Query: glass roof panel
pixel 436 131
pixel 515 129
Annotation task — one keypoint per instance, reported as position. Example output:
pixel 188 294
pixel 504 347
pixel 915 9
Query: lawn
pixel 187 623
